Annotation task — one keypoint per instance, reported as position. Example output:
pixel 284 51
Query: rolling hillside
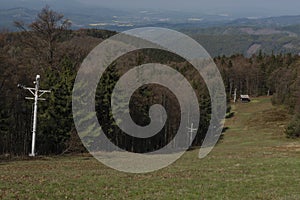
pixel 253 161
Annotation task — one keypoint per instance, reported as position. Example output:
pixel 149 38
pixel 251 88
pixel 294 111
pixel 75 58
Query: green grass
pixel 253 161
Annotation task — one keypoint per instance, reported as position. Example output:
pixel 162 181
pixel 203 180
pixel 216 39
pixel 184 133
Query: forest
pixel 50 48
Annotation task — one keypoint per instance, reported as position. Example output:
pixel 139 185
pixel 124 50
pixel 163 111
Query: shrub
pixel 293 129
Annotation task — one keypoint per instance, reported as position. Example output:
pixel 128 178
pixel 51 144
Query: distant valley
pixel 220 34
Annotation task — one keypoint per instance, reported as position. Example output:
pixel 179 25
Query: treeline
pixel 262 74
pixel 47 47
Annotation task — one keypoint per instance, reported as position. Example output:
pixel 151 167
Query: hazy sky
pixel 245 8
pixel 275 7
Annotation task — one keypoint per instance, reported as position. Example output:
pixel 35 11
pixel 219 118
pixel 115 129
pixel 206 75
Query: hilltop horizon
pixel 228 8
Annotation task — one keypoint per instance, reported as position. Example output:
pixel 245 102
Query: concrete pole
pixel 234 96
pixel 37 93
pixel 191 130
pixel 191 134
pixel 36 96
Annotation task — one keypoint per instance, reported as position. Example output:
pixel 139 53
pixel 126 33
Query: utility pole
pixel 190 132
pixel 234 96
pixel 37 93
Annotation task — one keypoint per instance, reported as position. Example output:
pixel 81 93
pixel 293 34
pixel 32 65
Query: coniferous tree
pixel 56 120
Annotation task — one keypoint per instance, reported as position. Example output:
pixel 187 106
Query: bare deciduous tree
pixel 43 34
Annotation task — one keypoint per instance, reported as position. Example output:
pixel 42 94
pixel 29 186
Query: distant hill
pixel 219 34
pixel 248 40
pixel 267 22
pixel 8 16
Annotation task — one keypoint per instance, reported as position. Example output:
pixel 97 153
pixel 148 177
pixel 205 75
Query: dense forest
pixel 48 47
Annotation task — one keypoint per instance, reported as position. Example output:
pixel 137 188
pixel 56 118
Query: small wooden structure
pixel 245 98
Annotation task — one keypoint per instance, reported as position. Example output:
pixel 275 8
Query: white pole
pixel 234 96
pixel 190 133
pixel 36 96
pixel 37 93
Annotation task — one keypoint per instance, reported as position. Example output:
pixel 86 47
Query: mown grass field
pixel 253 161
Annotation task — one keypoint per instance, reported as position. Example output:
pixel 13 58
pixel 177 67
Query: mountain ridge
pixel 219 35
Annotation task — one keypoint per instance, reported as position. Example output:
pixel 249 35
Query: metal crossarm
pixel 191 131
pixel 36 97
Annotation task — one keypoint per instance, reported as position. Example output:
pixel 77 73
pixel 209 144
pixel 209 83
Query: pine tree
pixel 55 118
